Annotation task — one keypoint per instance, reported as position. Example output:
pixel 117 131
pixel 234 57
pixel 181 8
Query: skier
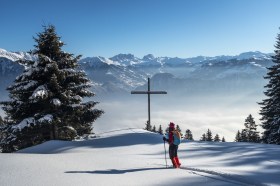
pixel 173 137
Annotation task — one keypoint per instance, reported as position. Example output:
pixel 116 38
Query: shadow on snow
pixel 116 171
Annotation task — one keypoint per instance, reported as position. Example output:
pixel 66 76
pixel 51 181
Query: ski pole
pixel 165 154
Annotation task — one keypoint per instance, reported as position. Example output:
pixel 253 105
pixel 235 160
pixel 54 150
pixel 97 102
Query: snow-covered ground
pixel 137 157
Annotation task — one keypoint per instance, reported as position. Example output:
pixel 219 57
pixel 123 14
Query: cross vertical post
pixel 149 99
pixel 149 92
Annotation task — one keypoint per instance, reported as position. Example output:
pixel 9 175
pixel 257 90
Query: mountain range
pixel 125 72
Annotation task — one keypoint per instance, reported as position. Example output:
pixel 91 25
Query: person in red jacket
pixel 173 138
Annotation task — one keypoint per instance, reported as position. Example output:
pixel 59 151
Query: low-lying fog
pixel 222 114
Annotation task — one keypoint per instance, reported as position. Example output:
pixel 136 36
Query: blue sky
pixel 182 28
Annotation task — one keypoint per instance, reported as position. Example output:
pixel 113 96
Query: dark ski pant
pixel 173 151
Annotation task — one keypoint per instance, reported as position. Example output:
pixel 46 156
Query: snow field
pixel 136 157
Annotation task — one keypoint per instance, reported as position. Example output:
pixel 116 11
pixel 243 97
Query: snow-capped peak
pixel 126 59
pixel 123 57
pixel 108 61
pixel 14 56
pixel 148 57
pixel 97 61
pixel 254 55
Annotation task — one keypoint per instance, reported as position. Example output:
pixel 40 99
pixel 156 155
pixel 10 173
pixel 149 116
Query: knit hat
pixel 171 125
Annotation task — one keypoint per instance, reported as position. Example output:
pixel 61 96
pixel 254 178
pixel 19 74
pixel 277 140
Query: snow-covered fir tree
pixel 203 137
pixel 154 129
pixel 209 136
pixel 223 139
pixel 148 126
pixel 244 135
pixel 1 130
pixel 217 138
pixel 46 100
pixel 160 131
pixel 238 137
pixel 251 130
pixel 270 107
pixel 1 121
pixel 179 129
pixel 249 133
pixel 188 134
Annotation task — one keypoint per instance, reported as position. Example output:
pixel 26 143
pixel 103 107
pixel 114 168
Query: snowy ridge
pixel 131 60
pixel 14 56
pixel 151 60
pixel 254 55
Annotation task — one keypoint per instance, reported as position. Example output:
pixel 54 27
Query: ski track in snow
pixel 231 178
pixel 220 176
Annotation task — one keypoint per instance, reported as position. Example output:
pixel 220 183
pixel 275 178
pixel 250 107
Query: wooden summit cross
pixel 149 92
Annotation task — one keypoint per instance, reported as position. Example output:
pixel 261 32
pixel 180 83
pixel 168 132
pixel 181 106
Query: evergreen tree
pixel 188 135
pixel 47 98
pixel 148 126
pixel 179 129
pixel 203 138
pixel 223 139
pixel 270 106
pixel 209 135
pixel 154 129
pixel 1 130
pixel 1 121
pixel 249 133
pixel 160 131
pixel 251 129
pixel 217 138
pixel 244 135
pixel 238 137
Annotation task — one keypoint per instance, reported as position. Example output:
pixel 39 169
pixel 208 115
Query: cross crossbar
pixel 148 92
